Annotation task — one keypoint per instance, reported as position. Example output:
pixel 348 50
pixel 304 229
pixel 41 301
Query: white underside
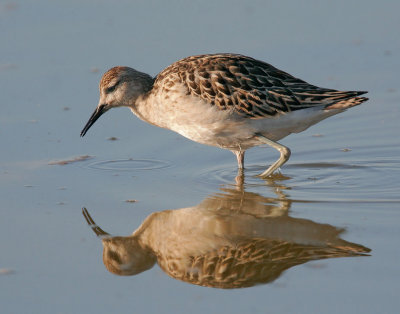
pixel 202 123
pixel 222 130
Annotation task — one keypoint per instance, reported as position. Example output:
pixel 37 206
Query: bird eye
pixel 112 88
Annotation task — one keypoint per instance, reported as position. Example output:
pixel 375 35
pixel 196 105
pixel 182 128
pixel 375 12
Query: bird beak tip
pixel 95 115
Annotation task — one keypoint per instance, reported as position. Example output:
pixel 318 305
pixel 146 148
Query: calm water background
pixel 343 172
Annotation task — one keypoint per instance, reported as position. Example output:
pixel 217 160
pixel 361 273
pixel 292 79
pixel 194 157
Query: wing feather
pixel 249 87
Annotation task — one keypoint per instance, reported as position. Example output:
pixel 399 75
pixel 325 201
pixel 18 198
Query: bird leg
pixel 240 158
pixel 285 154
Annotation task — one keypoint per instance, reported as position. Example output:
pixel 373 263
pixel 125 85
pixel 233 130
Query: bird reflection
pixel 232 239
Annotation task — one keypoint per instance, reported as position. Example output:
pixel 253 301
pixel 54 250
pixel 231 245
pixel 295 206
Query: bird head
pixel 119 86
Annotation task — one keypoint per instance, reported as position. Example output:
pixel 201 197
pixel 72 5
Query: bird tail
pixel 350 101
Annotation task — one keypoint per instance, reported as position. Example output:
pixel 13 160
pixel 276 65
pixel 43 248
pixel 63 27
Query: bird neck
pixel 145 108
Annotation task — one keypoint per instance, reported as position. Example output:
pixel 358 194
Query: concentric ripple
pixel 348 181
pixel 227 175
pixel 129 164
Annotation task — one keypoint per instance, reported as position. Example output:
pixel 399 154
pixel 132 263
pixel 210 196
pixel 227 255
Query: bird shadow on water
pixel 232 239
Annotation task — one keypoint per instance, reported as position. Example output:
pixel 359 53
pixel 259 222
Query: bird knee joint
pixel 285 152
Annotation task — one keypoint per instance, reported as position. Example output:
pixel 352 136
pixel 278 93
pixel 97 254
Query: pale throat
pixel 144 109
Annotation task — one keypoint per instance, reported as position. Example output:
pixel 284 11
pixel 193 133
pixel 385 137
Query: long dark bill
pixel 95 115
pixel 96 229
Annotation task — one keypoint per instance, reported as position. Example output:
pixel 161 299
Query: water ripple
pixel 129 164
pixel 353 181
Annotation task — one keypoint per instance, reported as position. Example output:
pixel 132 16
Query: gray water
pixel 339 192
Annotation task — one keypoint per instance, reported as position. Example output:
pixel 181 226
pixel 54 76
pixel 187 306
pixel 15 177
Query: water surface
pixel 322 236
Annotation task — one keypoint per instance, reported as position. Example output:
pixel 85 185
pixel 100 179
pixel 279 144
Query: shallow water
pixel 263 246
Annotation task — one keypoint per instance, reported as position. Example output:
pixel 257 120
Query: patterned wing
pixel 247 86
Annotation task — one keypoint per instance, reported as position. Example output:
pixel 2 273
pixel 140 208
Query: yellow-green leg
pixel 285 154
